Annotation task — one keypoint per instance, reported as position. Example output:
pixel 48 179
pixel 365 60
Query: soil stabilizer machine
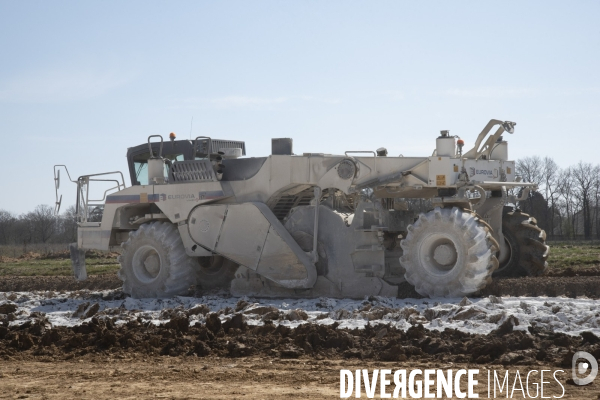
pixel 200 213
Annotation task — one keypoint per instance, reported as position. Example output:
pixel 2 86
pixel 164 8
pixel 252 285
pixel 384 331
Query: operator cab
pixel 177 152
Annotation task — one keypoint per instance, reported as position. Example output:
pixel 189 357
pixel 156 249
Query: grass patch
pixel 573 254
pixel 562 255
pixel 57 267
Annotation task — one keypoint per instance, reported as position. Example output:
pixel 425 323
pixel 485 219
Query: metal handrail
pixel 150 146
pixel 118 187
pixel 83 200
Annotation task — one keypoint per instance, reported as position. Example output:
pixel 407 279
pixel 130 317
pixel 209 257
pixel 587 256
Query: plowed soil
pixel 37 339
pixel 224 360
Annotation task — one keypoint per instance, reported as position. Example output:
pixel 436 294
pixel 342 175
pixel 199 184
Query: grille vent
pixel 192 171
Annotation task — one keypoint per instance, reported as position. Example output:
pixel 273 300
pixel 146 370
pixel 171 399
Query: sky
pixel 80 82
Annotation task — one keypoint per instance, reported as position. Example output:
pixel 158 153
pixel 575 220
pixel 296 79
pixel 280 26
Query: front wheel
pixel 154 262
pixel 527 250
pixel 448 253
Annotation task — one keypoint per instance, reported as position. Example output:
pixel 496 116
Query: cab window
pixel 141 172
pixel 141 166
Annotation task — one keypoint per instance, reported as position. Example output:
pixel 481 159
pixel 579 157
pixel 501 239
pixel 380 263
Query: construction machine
pixel 200 213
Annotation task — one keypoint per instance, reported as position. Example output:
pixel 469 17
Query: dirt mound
pixel 37 339
pixel 58 283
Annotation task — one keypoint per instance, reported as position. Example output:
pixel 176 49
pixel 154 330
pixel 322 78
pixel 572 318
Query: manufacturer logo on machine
pixel 210 195
pixel 493 173
pixel 165 197
pixel 181 196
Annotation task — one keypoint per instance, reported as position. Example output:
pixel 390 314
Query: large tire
pixel 528 252
pixel 154 262
pixel 215 272
pixel 448 253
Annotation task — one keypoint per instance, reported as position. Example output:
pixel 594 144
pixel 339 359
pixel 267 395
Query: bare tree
pixel 596 207
pixel 550 174
pixel 42 223
pixel 583 178
pixel 566 201
pixel 7 227
pixel 68 226
pixel 530 168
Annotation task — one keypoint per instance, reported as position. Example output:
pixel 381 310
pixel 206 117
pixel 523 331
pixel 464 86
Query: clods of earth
pixel 50 325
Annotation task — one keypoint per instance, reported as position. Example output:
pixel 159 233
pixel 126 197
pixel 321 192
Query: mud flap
pixel 78 262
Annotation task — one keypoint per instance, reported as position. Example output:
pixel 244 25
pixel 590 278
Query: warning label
pixel 440 180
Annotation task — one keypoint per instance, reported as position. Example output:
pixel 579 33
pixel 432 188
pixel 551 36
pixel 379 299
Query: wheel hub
pixel 438 254
pixel 146 264
pixel 445 254
pixel 152 264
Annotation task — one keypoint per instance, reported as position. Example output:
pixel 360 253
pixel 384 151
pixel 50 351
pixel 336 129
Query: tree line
pixel 38 226
pixel 566 205
pixel 567 202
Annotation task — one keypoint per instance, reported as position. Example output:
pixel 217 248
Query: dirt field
pixel 217 378
pixel 230 359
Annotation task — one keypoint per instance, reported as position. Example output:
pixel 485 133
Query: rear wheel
pixel 528 252
pixel 448 253
pixel 154 262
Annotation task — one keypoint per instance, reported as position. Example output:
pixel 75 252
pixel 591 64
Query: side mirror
pixel 57 179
